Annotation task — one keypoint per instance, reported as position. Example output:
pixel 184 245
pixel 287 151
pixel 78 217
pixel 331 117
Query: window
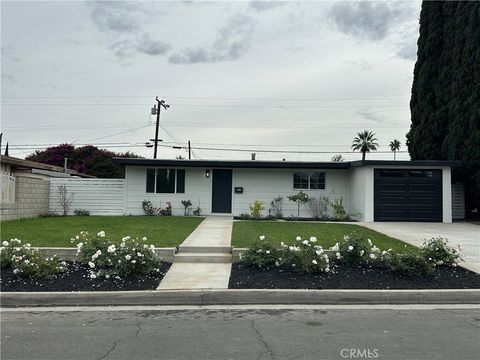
pixel 165 181
pixel 314 181
pixel 317 180
pixel 300 180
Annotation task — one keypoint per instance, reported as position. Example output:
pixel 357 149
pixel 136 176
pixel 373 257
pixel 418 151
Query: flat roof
pixel 260 164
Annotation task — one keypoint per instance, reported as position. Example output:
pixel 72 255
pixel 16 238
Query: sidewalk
pixel 204 260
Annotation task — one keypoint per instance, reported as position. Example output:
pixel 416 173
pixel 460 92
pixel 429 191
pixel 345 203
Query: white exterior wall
pixel 266 184
pixel 360 189
pixel 197 190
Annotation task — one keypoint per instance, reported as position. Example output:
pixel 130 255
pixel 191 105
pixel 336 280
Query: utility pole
pixel 189 151
pixel 160 103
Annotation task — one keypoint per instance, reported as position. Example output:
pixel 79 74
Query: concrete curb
pixel 70 254
pixel 240 297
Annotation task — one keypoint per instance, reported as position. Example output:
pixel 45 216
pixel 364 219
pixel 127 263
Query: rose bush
pixel 29 262
pixel 106 258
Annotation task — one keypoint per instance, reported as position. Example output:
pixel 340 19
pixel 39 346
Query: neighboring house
pixel 374 190
pixel 25 186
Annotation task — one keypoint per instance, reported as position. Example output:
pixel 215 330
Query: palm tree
pixel 365 141
pixel 395 146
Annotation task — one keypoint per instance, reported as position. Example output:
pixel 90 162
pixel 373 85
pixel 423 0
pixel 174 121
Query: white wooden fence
pixel 99 196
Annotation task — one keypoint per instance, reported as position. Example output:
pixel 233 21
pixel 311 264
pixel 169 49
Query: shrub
pixel 106 258
pixel 305 256
pixel 317 206
pixel 27 261
pixel 354 251
pixel 437 251
pixel 81 212
pixel 276 210
pixel 49 214
pixel 411 263
pixel 256 209
pixel 263 253
pixel 186 207
pixel 197 211
pixel 338 209
pixel 148 207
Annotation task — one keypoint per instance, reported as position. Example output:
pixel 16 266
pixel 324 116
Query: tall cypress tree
pixel 445 103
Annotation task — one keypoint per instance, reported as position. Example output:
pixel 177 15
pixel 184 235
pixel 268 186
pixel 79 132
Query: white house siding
pixel 197 190
pixel 266 184
pixel 360 188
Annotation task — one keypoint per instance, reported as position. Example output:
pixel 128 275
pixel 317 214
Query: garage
pixel 408 195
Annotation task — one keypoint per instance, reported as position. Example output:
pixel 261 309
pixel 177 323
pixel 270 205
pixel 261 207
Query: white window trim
pixel 155 180
pixel 309 176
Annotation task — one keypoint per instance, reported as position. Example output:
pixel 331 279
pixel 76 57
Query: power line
pixel 210 98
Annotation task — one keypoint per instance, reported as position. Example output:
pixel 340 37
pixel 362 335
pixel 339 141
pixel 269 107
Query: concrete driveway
pixel 467 235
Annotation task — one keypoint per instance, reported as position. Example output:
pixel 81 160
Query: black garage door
pixel 408 195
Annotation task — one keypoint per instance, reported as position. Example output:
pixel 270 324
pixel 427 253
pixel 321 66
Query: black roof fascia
pixel 420 163
pixel 259 164
pixel 252 164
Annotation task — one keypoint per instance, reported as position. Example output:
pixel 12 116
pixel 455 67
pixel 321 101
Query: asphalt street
pixel 321 332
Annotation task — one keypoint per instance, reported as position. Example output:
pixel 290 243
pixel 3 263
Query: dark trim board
pixel 258 164
pixel 222 180
pixel 408 195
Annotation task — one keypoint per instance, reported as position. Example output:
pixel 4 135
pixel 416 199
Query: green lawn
pixel 57 231
pixel 245 233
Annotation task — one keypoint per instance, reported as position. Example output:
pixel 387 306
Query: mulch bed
pixel 76 278
pixel 245 277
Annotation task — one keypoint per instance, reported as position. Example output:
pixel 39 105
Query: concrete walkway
pixel 204 259
pixel 466 235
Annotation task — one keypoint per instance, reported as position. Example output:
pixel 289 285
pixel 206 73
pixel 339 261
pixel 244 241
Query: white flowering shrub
pixel 354 250
pixel 305 256
pixel 411 263
pixel 106 258
pixel 28 262
pixel 263 253
pixel 439 252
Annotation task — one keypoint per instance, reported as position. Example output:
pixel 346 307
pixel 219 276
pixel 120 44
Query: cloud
pixel 368 20
pixel 122 22
pixel 148 46
pixel 371 115
pixel 406 46
pixel 233 40
pixel 265 5
pixel 117 16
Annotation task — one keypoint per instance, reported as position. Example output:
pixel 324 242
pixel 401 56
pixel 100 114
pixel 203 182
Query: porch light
pixel 207 173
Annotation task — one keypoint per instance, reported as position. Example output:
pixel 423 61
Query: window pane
pixel 317 180
pixel 421 173
pixel 165 180
pixel 150 180
pixel 392 173
pixel 180 181
pixel 300 180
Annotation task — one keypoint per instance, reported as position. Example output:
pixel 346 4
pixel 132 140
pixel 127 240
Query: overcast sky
pixel 297 76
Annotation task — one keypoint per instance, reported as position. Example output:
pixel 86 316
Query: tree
pixel 445 102
pixel 300 199
pixel 337 158
pixel 395 146
pixel 365 141
pixel 87 159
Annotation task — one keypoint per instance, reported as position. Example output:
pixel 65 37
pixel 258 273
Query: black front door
pixel 222 191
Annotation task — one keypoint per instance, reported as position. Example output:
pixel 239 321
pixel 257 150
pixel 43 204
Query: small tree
pixel 337 158
pixel 365 141
pixel 300 199
pixel 186 207
pixel 395 146
pixel 65 199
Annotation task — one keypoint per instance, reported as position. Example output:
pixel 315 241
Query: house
pixel 25 186
pixel 373 190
